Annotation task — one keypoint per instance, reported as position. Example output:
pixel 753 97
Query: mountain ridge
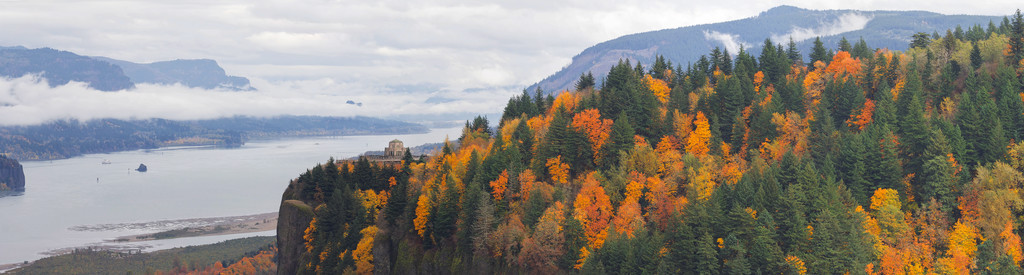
pixel 682 45
pixel 60 67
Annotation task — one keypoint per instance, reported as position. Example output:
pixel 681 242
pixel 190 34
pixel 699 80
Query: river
pixel 182 183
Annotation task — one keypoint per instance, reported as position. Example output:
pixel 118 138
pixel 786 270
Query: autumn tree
pixel 697 141
pixel 593 209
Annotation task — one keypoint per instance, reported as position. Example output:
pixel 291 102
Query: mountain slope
pixel 881 29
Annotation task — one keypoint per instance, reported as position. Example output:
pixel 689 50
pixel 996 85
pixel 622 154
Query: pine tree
pixel 913 128
pixel 620 139
pixel 920 40
pixel 818 53
pixel 937 176
pixel 1011 108
pixel 793 53
pixel 735 256
pixel 975 56
pixel 707 256
pixel 585 82
pixel 1016 39
pixel 861 50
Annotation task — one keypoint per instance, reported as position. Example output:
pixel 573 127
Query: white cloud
pixel 28 100
pixel 844 23
pixel 731 42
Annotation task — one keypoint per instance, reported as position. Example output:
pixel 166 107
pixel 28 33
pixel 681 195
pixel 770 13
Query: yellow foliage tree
pixel 363 255
pixel 559 171
pixel 658 87
pixel 886 206
pixel 701 180
pixel 963 243
pixel 422 214
pixel 697 141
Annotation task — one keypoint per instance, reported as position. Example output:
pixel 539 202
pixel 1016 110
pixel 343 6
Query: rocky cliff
pixel 12 177
pixel 293 218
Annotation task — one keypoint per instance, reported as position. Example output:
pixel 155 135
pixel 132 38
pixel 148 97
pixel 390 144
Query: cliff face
pixel 293 218
pixel 11 174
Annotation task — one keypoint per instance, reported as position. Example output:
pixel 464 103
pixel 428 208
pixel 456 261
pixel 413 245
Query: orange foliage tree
pixel 597 130
pixel 499 185
pixel 843 65
pixel 593 209
pixel 864 116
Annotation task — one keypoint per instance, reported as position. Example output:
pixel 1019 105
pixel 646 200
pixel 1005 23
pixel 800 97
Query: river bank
pixel 202 227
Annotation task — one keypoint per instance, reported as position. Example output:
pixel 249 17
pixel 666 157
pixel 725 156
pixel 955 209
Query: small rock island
pixel 142 168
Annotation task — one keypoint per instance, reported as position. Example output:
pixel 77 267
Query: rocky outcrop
pixel 12 177
pixel 293 218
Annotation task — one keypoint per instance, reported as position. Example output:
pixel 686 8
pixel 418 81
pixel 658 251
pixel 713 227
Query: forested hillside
pixel 69 138
pixel 860 161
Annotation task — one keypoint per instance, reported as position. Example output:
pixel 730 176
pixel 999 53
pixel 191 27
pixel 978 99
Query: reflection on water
pixel 182 183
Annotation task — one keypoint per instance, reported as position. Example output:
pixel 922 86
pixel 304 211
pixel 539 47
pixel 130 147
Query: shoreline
pixel 205 227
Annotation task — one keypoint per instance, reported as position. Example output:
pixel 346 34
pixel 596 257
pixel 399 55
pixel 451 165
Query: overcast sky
pixel 355 49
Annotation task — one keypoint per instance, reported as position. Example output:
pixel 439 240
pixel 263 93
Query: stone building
pixel 395 149
pixel 392 154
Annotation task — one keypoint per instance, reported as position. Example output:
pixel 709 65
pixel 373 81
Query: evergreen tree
pixel 844 45
pixel 707 255
pixel 818 53
pixel 861 50
pixel 1010 106
pixel 920 40
pixel 621 138
pixel 913 128
pixel 937 175
pixel 975 56
pixel 585 82
pixel 1016 39
pixel 735 256
pixel 794 54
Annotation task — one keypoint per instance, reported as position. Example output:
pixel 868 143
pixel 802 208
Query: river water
pixel 182 183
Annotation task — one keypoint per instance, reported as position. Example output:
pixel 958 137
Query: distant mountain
pixel 880 29
pixel 195 73
pixel 61 67
pixel 107 74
